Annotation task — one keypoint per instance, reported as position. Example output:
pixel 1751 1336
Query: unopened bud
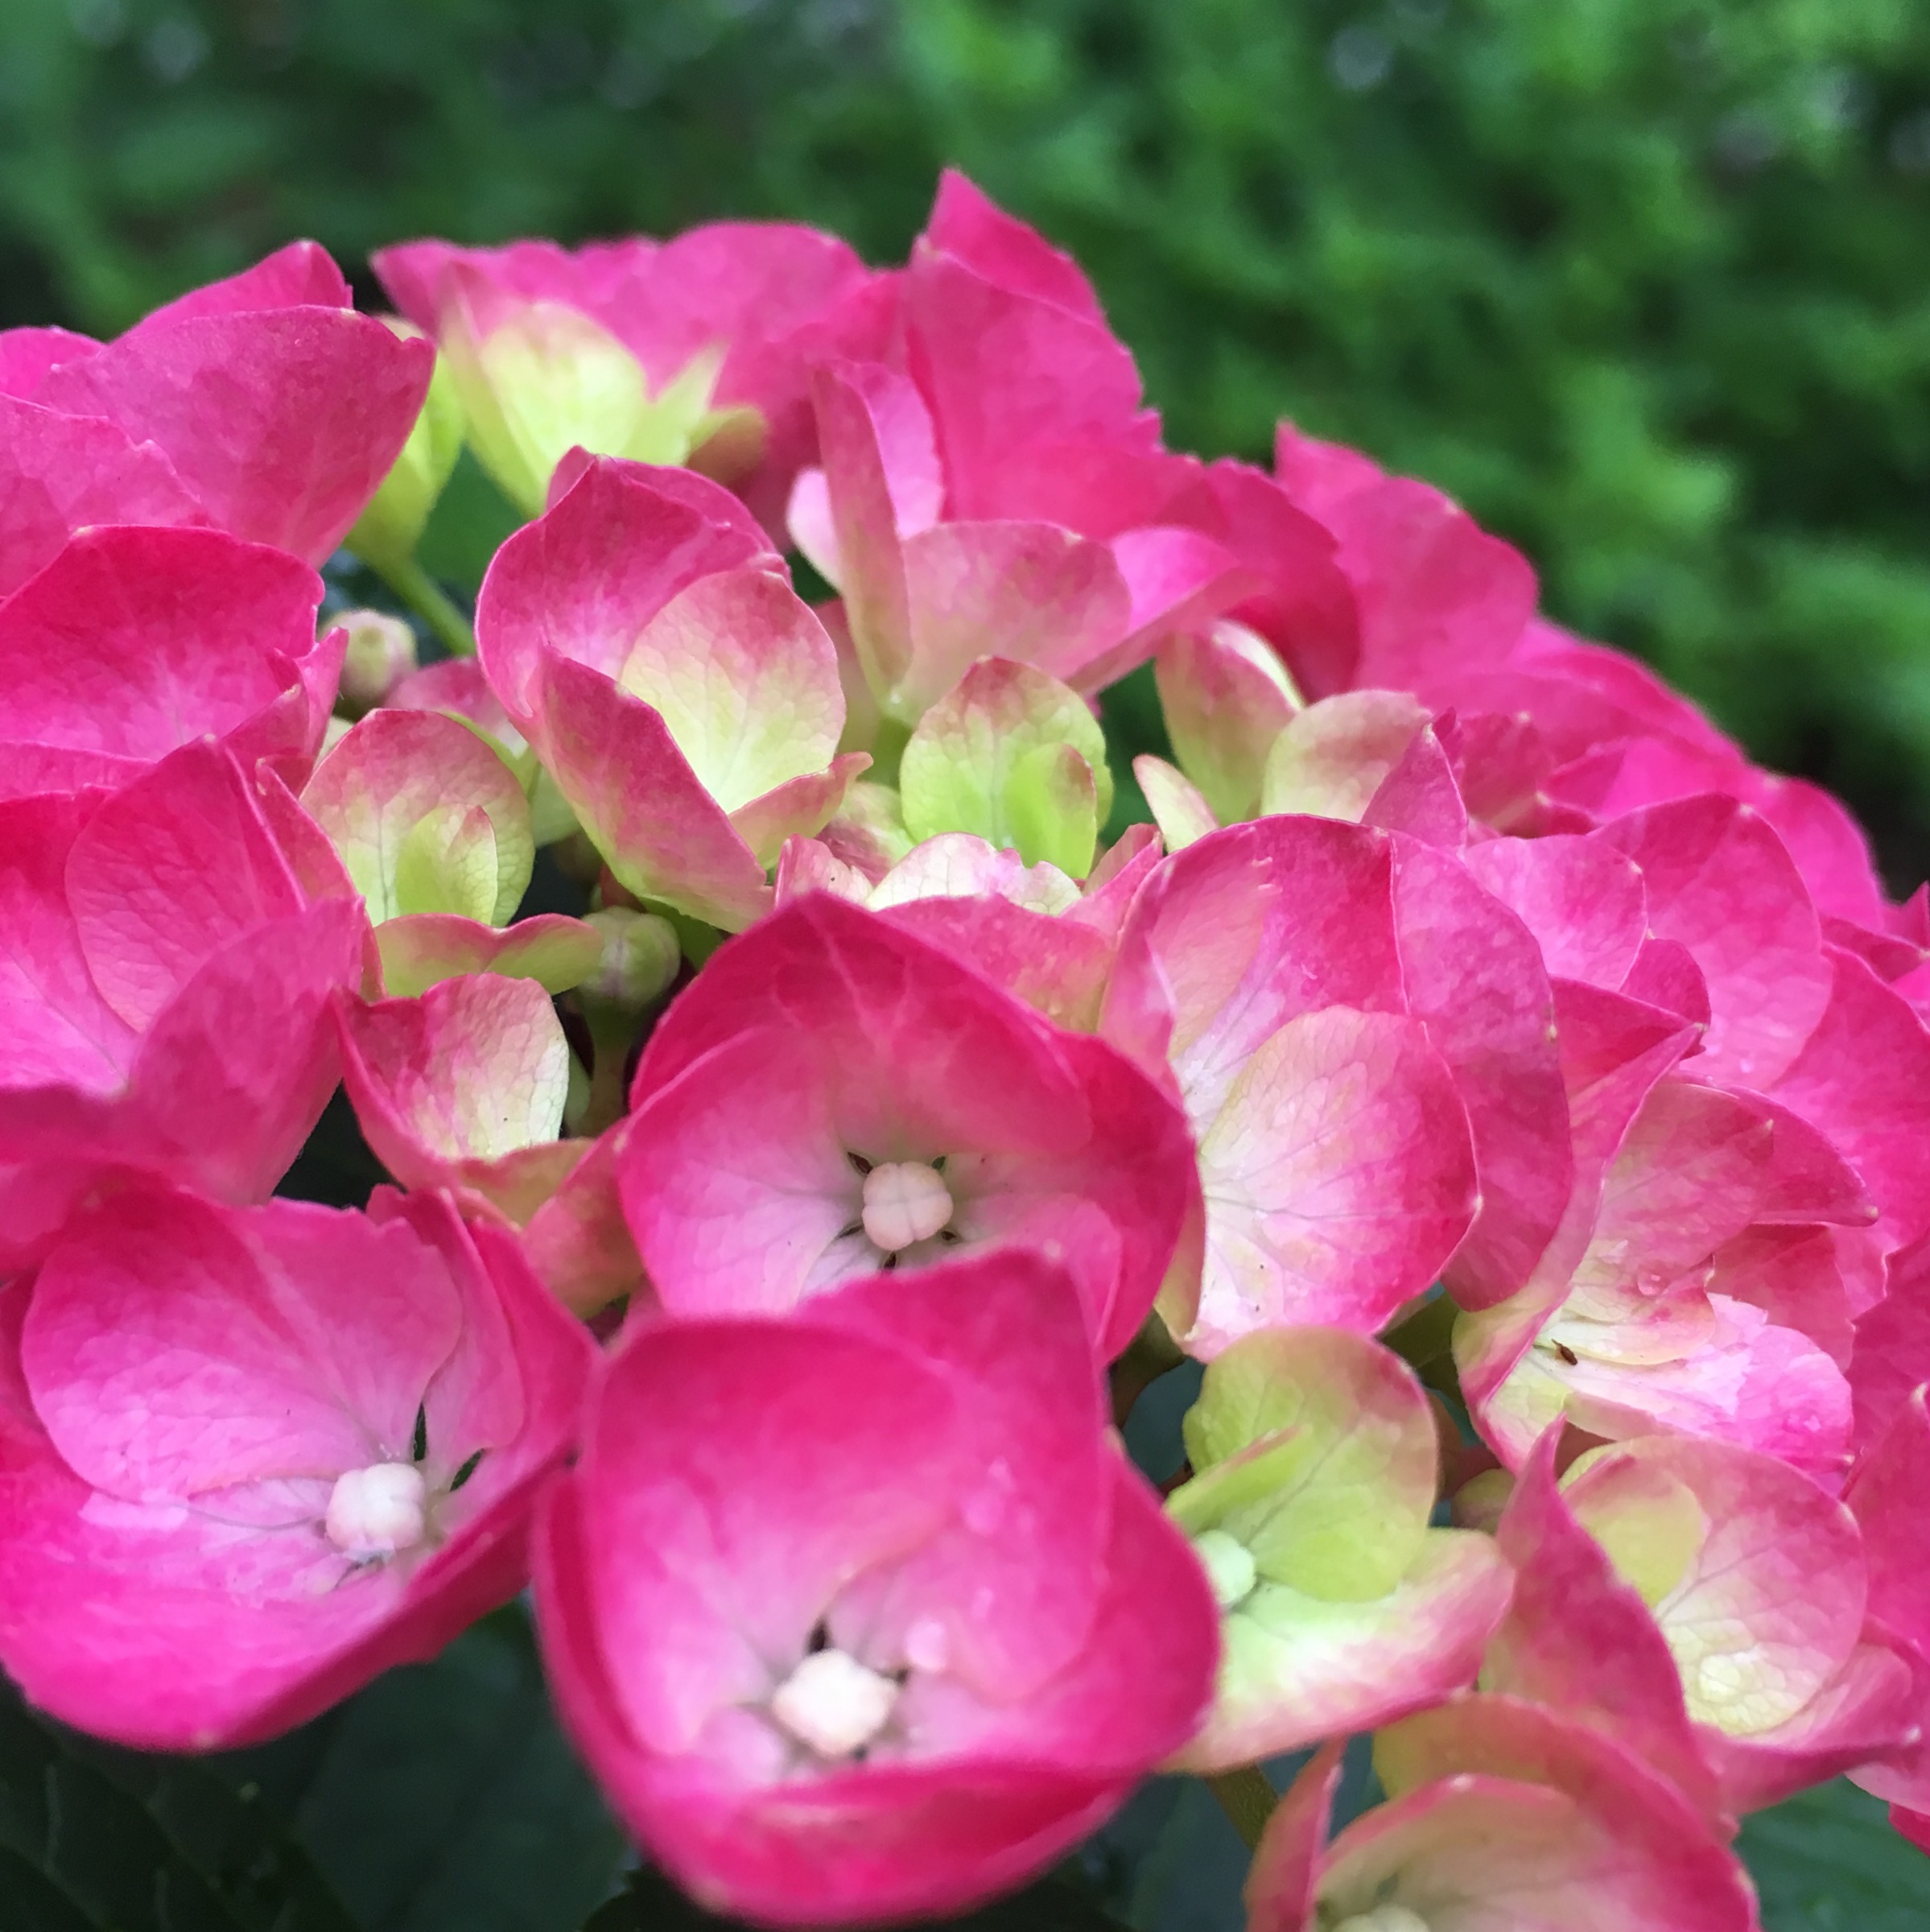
pixel 640 958
pixel 380 653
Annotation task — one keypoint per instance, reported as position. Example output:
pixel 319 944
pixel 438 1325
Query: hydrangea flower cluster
pixel 1517 1100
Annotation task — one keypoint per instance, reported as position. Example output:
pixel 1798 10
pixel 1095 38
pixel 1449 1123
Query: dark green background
pixel 1642 282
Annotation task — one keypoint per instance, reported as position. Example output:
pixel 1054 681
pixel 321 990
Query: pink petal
pixel 644 808
pixel 133 642
pixel 1473 973
pixel 1861 1078
pixel 282 423
pixel 148 904
pixel 1582 900
pixel 1720 882
pixel 1578 1638
pixel 1280 1883
pixel 1029 591
pixel 61 473
pixel 583 579
pixel 1338 1178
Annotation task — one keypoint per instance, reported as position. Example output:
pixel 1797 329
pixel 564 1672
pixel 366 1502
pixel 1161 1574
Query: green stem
pixel 426 597
pixel 1247 1799
pixel 612 1032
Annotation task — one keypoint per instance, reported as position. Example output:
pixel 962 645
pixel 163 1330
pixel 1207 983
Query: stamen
pixel 833 1705
pixel 377 1511
pixel 904 1202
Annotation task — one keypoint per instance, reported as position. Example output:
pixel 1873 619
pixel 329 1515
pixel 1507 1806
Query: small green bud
pixel 1229 1566
pixel 387 532
pixel 640 963
pixel 380 653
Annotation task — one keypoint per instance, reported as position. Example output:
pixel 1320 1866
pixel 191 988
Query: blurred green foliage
pixel 1645 282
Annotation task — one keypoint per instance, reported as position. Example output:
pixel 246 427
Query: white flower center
pixel 833 1704
pixel 905 1201
pixel 1229 1566
pixel 1384 1918
pixel 377 1511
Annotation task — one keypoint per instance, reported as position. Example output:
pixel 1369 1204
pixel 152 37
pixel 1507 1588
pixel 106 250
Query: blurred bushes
pixel 1645 282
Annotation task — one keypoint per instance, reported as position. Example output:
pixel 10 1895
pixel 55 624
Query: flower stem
pixel 1247 1798
pixel 611 1033
pixel 426 597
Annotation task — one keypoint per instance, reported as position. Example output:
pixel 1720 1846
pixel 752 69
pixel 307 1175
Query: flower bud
pixel 380 653
pixel 640 958
pixel 389 530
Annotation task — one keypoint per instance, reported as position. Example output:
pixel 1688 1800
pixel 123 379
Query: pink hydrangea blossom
pixel 1497 1814
pixel 254 1457
pixel 859 1615
pixel 643 637
pixel 1709 1607
pixel 166 968
pixel 263 405
pixel 737 312
pixel 833 1095
pixel 1036 931
pixel 1362 1037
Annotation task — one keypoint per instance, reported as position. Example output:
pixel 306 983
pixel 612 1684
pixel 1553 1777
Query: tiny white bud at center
pixel 833 1704
pixel 905 1201
pixel 1229 1566
pixel 1384 1918
pixel 377 1511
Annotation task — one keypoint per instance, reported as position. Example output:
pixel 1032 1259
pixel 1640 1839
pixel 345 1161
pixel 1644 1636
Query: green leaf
pixel 650 1903
pixel 1827 1861
pixel 94 1838
pixel 443 1797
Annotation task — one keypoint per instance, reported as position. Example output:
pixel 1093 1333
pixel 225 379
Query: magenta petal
pixel 1581 899
pixel 1719 880
pixel 282 423
pixel 1863 1078
pixel 735 1182
pixel 148 906
pixel 1473 973
pixel 61 473
pixel 168 1356
pixel 233 1364
pixel 300 274
pixel 27 354
pixel 133 642
pixel 1012 1583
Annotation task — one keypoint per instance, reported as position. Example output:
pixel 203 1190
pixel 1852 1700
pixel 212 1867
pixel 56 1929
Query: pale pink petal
pixel 1338 1178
